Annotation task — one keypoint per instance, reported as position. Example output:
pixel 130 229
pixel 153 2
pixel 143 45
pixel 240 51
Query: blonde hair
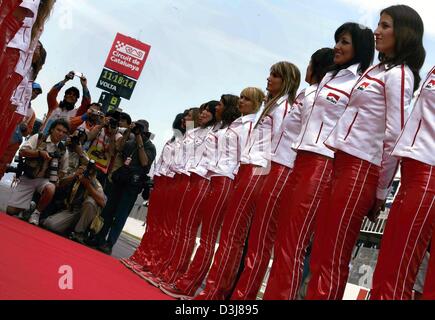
pixel 255 95
pixel 44 11
pixel 291 78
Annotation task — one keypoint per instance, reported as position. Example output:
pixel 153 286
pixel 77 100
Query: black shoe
pixel 105 248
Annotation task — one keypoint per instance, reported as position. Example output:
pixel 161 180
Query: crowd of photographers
pixel 81 174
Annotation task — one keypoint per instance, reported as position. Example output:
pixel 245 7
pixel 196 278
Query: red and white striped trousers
pixel 407 234
pixel 347 200
pixel 237 220
pixel 262 232
pixel 311 176
pixel 212 212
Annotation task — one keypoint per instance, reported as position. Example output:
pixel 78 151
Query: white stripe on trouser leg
pixel 262 244
pixel 226 250
pixel 191 215
pixel 339 226
pixel 409 235
pixel 413 250
pixel 293 271
pixel 347 228
pixel 178 222
pixel 214 218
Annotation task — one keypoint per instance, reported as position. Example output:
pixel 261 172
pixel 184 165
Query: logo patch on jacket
pixel 363 86
pixel 431 84
pixel 332 97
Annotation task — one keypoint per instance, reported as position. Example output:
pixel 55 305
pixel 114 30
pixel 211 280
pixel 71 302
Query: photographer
pixel 45 159
pixel 93 116
pixel 21 131
pixel 65 108
pixel 83 199
pixel 103 140
pixel 137 155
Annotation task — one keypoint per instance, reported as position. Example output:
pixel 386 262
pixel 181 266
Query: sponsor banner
pixel 127 56
pixel 116 83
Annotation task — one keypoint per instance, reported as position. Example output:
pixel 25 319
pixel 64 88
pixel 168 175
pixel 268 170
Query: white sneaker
pixel 34 219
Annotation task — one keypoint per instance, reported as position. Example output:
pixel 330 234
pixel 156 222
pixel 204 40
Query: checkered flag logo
pixel 131 51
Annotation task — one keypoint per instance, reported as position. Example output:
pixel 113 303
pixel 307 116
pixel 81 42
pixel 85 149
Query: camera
pixel 18 170
pixel 55 155
pixel 90 169
pixel 137 129
pixel 80 137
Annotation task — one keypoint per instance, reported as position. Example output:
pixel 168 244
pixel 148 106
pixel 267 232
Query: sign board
pixel 127 56
pixel 109 101
pixel 116 83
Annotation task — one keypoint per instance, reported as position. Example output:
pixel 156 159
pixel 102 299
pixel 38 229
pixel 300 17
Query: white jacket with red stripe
pixel 417 140
pixel 230 146
pixel 258 150
pixel 374 118
pixel 329 103
pixel 289 130
pixel 162 167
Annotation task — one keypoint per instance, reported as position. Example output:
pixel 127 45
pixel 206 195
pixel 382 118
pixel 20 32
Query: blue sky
pixel 200 49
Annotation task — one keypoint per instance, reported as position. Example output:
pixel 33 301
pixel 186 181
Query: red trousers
pixel 212 211
pixel 9 127
pixel 237 220
pixel 8 157
pixel 311 176
pixel 407 234
pixel 7 7
pixel 347 200
pixel 10 79
pixel 146 251
pixel 185 235
pixel 169 222
pixel 262 233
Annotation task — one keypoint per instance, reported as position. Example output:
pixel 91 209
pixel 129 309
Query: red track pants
pixel 146 250
pixel 237 220
pixel 311 176
pixel 170 218
pixel 8 130
pixel 212 211
pixel 185 235
pixel 262 233
pixel 347 200
pixel 407 233
pixel 429 285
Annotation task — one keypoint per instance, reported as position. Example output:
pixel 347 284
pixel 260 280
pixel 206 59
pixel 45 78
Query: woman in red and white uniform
pixel 354 52
pixel 226 113
pixel 411 219
pixel 163 177
pixel 229 142
pixel 277 184
pixel 189 187
pixel 283 83
pixel 363 140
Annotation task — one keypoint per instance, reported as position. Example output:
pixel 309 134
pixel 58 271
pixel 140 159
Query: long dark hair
pixel 321 62
pixel 177 125
pixel 211 107
pixel 231 111
pixel 363 42
pixel 408 32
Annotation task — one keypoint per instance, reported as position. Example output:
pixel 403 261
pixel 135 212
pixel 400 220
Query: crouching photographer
pixel 137 155
pixel 45 159
pixel 83 198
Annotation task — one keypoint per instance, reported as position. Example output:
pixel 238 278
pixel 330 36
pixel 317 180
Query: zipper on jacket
pixel 416 133
pixel 351 125
pixel 318 136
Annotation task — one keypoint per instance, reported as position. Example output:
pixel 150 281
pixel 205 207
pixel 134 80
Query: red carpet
pixel 30 259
